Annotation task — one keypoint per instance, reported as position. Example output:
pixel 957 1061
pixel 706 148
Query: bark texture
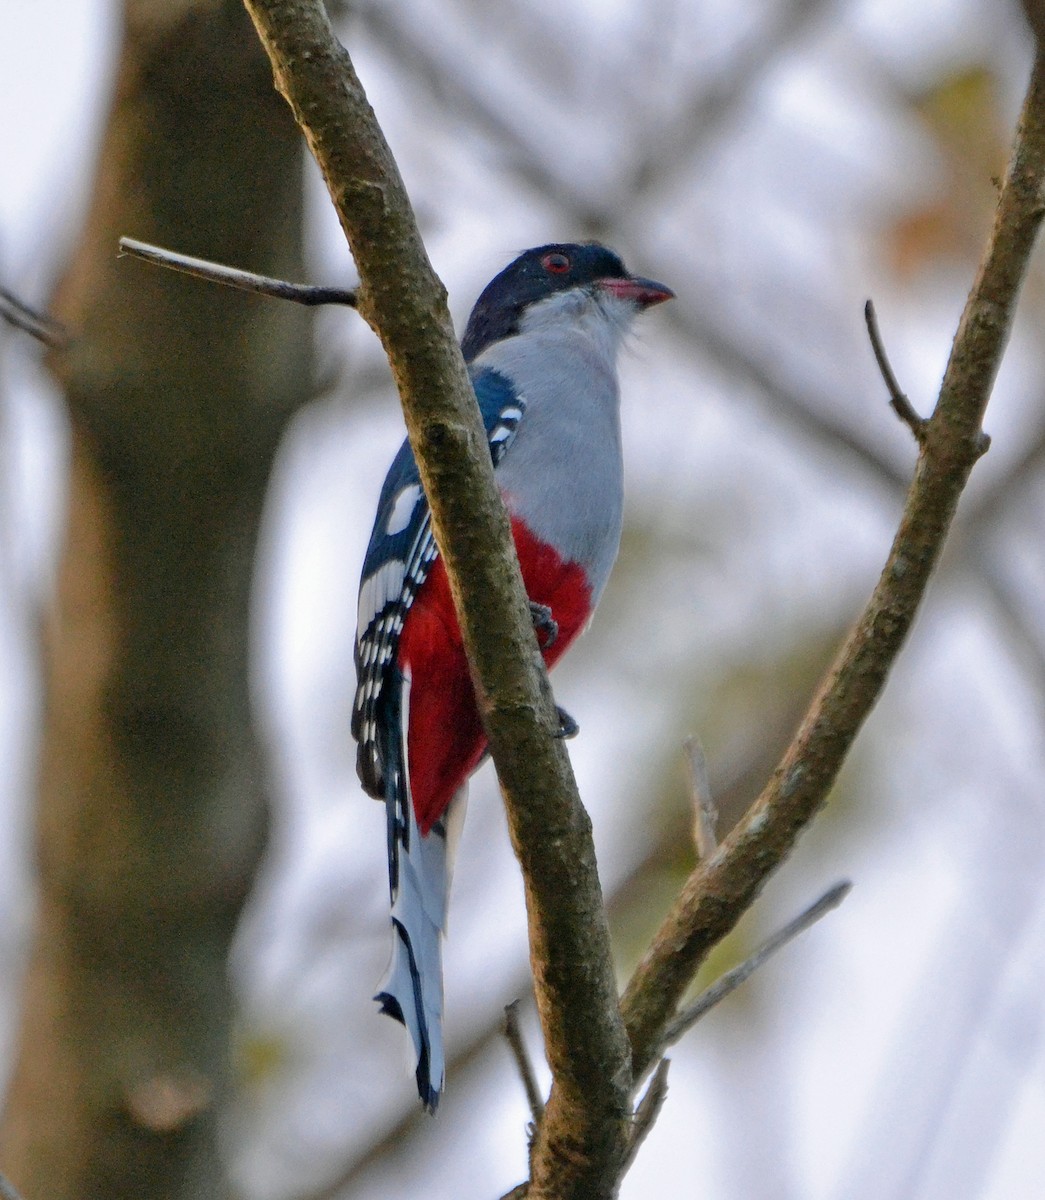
pixel 152 804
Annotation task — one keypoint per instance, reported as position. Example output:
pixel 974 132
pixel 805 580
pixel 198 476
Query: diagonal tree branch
pixel 728 983
pixel 579 1146
pixel 720 889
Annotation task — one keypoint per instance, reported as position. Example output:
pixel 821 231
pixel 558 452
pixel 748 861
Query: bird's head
pixel 554 282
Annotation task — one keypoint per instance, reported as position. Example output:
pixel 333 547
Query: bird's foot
pixel 568 727
pixel 544 625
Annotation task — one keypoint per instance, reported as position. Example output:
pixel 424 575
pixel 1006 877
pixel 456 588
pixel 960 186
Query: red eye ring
pixel 555 264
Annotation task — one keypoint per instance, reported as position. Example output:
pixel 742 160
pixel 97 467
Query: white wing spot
pixel 403 509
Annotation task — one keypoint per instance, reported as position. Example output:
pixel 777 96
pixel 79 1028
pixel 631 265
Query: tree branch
pixel 514 1037
pixel 705 814
pixel 580 1143
pixel 648 1110
pixel 903 408
pixel 728 983
pixel 234 277
pixel 722 888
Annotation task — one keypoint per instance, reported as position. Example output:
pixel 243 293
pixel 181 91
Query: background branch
pixel 38 325
pixel 152 810
pixel 648 1110
pixel 705 815
pixel 514 1037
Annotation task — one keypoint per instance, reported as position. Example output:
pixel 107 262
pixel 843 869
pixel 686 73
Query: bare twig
pixel 732 979
pixel 234 277
pixel 903 408
pixel 722 888
pixel 705 814
pixel 648 1111
pixel 513 1036
pixel 38 325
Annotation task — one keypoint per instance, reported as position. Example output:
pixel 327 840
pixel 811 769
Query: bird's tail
pixel 419 872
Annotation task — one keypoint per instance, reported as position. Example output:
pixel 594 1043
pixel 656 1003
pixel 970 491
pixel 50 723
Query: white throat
pixel 600 316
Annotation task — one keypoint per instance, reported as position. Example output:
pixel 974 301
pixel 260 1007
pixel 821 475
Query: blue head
pixel 544 271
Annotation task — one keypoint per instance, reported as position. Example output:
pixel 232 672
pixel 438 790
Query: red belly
pixel 445 741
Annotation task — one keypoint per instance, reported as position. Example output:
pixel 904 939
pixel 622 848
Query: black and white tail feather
pixel 420 872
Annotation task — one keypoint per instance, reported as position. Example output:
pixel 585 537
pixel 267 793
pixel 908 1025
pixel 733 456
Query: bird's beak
pixel 642 292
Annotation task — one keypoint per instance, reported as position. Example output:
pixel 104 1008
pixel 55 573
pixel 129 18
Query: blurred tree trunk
pixel 152 799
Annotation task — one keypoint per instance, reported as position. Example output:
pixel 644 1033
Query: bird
pixel 541 347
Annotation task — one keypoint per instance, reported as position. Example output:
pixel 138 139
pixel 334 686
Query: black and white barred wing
pixel 401 552
pixel 400 555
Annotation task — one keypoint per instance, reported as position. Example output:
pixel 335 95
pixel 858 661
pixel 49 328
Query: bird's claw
pixel 568 727
pixel 544 624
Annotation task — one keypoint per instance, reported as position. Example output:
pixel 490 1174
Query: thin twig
pixel 513 1036
pixel 647 1112
pixel 731 980
pixel 705 814
pixel 903 408
pixel 245 281
pixel 38 325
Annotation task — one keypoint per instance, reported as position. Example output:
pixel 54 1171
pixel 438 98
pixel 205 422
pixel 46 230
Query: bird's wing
pixel 400 555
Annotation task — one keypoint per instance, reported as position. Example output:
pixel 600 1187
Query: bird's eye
pixel 555 264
